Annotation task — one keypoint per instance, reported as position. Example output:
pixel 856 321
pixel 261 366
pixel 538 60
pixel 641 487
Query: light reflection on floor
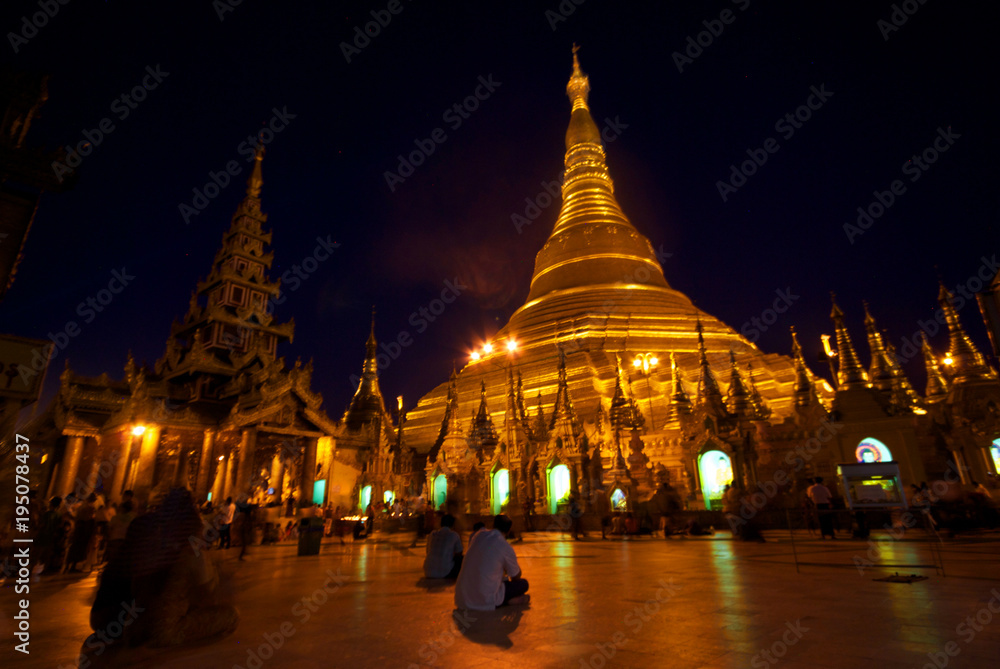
pixel 731 601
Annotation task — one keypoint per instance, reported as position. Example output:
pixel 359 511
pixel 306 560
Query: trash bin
pixel 310 535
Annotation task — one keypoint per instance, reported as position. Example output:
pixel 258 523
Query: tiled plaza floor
pixel 644 603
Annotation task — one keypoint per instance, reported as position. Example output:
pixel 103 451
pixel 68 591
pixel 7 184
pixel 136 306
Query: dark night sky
pixel 452 218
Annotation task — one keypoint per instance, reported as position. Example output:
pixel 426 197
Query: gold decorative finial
pixel 579 85
pixel 256 180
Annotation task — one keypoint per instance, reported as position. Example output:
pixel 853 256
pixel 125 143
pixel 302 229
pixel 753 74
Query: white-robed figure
pixel 490 576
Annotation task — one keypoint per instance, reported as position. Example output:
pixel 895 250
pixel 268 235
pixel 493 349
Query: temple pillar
pixel 958 455
pixel 277 474
pixel 94 466
pixel 121 466
pixel 308 473
pixel 204 466
pixel 227 478
pixel 70 465
pixel 146 465
pixel 244 473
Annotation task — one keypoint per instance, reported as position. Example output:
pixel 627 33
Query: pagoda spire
pixel 367 405
pixel 805 392
pixel 850 373
pixel 597 243
pixel 758 406
pixel 256 181
pixel 937 384
pixel 879 372
pixel 708 387
pixel 737 397
pixel 563 411
pixel 679 397
pixel 966 360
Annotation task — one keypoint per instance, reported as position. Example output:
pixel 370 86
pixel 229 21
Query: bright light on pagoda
pixel 475 356
pixel 139 430
pixel 487 348
pixel 948 360
pixel 511 345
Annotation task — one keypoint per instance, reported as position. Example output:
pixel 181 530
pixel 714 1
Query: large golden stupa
pixel 598 295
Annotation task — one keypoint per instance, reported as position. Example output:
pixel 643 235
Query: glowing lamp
pixel 221 458
pixel 637 363
pixel 511 345
pixel 919 411
pixel 475 355
pixel 654 361
pixel 948 360
pixel 488 348
pixel 139 430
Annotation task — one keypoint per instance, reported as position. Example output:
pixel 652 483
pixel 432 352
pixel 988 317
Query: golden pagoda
pixel 598 295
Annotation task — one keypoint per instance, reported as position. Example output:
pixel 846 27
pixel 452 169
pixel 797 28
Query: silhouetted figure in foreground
pixel 159 590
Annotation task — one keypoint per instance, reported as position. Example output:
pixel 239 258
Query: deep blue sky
pixel 324 173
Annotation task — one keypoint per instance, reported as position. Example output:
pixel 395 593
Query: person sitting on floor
pixel 481 584
pixel 444 551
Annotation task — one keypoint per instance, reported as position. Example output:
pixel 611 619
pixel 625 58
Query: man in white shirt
pixel 226 516
pixel 481 584
pixel 821 496
pixel 444 551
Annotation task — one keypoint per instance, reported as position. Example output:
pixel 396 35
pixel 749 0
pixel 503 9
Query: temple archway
pixel 440 493
pixel 995 455
pixel 559 487
pixel 716 470
pixel 872 450
pixel 500 489
pixel 365 498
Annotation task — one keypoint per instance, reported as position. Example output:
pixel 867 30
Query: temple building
pixel 608 382
pixel 219 412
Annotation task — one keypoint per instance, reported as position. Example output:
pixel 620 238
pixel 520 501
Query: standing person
pixel 226 516
pixel 247 512
pixel 528 507
pixel 338 525
pixel 328 519
pixel 83 532
pixel 51 539
pixel 576 520
pixel 118 528
pixel 444 551
pixel 821 496
pixel 481 585
pixel 370 521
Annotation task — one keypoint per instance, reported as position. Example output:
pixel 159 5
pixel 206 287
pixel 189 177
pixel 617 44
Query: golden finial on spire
pixel 579 85
pixel 255 181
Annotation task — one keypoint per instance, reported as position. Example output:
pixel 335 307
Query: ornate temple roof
pixel 368 406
